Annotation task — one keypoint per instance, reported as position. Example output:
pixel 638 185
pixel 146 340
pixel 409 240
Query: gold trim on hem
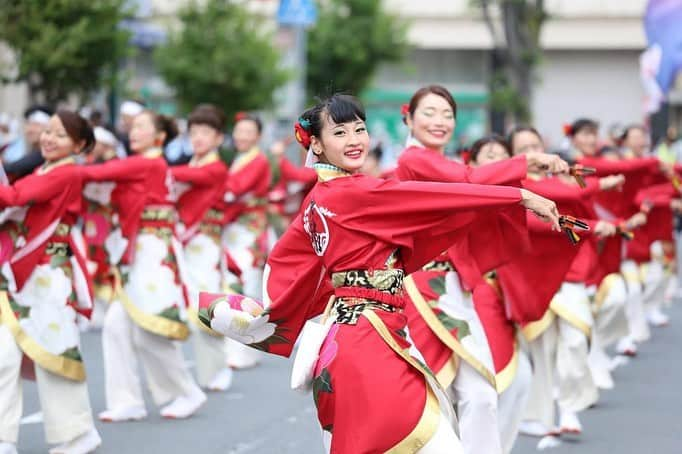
pixel 604 290
pixel 566 314
pixel 505 377
pixel 446 375
pixel 57 364
pixel 428 423
pixel 443 334
pixel 533 330
pixel 153 323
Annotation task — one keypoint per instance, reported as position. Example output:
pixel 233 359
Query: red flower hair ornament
pixel 239 116
pixel 568 130
pixel 404 110
pixel 301 132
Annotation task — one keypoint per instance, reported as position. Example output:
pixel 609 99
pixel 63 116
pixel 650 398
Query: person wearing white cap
pixel 23 155
pixel 129 109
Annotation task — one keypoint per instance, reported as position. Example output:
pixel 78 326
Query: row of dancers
pixel 436 286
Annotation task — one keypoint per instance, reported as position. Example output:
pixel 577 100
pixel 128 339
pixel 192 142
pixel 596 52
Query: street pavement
pixel 261 415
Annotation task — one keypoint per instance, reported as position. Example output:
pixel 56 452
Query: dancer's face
pixel 55 142
pixel 344 145
pixel 526 142
pixel 143 134
pixel 489 153
pixel 245 135
pixel 433 122
pixel 204 139
pixel 585 141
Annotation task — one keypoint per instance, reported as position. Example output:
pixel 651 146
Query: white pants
pixel 65 403
pixel 476 403
pixel 610 321
pixel 560 350
pixel 210 355
pixel 655 283
pixel 638 326
pixel 123 342
pixel 512 402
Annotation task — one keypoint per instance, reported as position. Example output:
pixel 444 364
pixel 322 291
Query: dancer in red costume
pixel 356 240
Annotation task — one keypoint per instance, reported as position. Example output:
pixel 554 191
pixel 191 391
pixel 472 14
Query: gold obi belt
pixel 59 242
pixel 158 216
pixel 439 265
pixel 212 223
pixel 357 290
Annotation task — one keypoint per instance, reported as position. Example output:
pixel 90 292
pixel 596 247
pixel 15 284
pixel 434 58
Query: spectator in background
pixel 635 141
pixel 128 110
pixel 35 120
pixel 669 149
pixel 23 156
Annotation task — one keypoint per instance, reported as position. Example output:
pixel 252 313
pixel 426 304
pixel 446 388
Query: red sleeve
pixel 129 169
pixel 204 176
pixel 290 172
pixel 424 165
pixel 606 167
pixel 659 195
pixel 559 192
pixel 247 178
pixel 33 189
pixel 422 218
pixel 296 286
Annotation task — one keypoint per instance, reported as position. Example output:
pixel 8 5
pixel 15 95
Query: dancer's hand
pixel 611 182
pixel 241 319
pixel 604 229
pixel 636 221
pixel 546 162
pixel 543 208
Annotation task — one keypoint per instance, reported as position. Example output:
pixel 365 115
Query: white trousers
pixel 123 343
pixel 638 326
pixel 512 402
pixel 610 321
pixel 655 283
pixel 476 403
pixel 65 403
pixel 559 354
pixel 209 354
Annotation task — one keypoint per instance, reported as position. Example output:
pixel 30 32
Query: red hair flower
pixel 404 110
pixel 302 135
pixel 239 116
pixel 568 130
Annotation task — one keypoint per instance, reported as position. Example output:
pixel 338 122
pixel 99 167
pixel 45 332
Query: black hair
pixel 37 107
pixel 629 128
pixel 245 116
pixel 487 140
pixel 78 129
pixel 437 90
pixel 209 115
pixel 163 123
pixel 339 108
pixel 582 123
pixel 519 129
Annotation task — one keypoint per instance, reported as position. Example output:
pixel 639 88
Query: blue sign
pixel 302 13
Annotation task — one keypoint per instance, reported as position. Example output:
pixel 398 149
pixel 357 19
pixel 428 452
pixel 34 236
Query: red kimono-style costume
pixel 102 236
pixel 246 234
pixel 152 289
pixel 46 277
pixel 370 393
pixel 201 211
pixel 44 286
pixel 440 335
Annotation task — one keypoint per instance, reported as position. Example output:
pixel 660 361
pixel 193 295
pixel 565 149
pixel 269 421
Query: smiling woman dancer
pixel 361 235
pixel 46 287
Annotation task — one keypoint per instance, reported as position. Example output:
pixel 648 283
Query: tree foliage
pixel 63 47
pixel 515 27
pixel 349 41
pixel 222 55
